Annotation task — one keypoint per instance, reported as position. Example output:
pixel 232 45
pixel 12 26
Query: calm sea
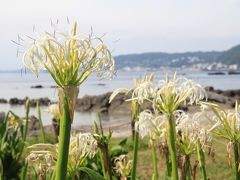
pixel 19 85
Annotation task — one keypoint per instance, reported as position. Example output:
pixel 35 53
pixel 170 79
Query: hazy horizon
pixel 131 27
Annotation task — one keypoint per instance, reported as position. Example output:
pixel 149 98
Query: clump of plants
pixel 13 133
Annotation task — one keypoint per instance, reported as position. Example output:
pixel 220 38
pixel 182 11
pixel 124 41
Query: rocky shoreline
pixel 101 102
pixel 119 110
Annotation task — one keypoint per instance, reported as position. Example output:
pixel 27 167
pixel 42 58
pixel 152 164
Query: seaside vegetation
pixel 167 142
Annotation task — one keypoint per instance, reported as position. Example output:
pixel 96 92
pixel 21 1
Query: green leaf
pixel 123 142
pixel 91 174
pixel 117 150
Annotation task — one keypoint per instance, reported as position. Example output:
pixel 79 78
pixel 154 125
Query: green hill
pixel 232 56
pixel 159 59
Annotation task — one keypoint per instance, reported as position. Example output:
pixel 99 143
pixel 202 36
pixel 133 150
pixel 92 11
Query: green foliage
pixel 11 147
pixel 232 56
pixel 89 174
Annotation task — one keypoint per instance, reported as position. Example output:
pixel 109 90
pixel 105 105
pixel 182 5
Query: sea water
pixel 19 85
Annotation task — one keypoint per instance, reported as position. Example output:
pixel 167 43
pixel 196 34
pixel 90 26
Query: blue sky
pixel 131 26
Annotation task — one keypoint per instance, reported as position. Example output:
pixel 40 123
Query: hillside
pixel 232 56
pixel 186 59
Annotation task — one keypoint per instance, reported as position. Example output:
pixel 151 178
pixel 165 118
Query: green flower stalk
pixel 155 163
pixel 70 59
pixel 135 155
pixel 172 146
pixel 201 160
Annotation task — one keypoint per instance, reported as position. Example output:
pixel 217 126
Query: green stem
pixel 155 165
pixel 135 146
pixel 106 161
pixel 201 159
pixel 40 122
pixel 27 105
pixel 65 132
pixel 103 167
pixel 172 146
pixel 236 157
pixel 168 166
pixel 188 167
pixel 135 153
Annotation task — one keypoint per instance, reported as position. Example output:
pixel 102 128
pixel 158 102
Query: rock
pixel 3 101
pixel 2 116
pixel 218 91
pixel 237 92
pixel 33 124
pixel 209 88
pixel 42 102
pixel 214 97
pixel 16 101
pixel 100 102
pixel 229 93
pixel 37 86
pixel 101 84
pixel 33 102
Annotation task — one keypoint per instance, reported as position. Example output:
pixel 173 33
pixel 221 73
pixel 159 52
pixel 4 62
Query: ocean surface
pixel 19 85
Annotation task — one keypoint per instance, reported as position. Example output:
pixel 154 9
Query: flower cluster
pixel 81 146
pixel 150 125
pixel 42 160
pixel 190 133
pixel 69 57
pixel 123 165
pixel 226 123
pixel 44 156
pixel 143 89
pixel 171 94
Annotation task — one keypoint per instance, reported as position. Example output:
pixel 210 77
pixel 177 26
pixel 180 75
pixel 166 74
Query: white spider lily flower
pixel 69 58
pixel 83 143
pixel 171 94
pixel 182 119
pixel 81 146
pixel 142 90
pixel 54 110
pixel 227 123
pixel 150 125
pixel 194 90
pixel 43 157
pixel 123 165
pixel 190 136
pixel 145 125
pixel 43 160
